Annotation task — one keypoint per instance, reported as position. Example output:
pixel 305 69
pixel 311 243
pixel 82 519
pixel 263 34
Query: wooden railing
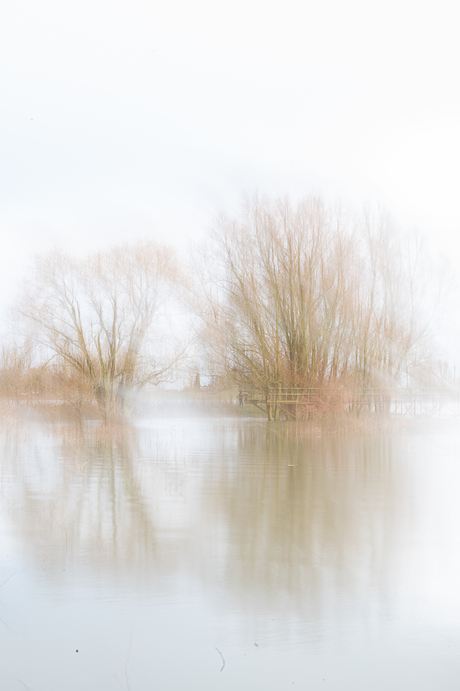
pixel 303 403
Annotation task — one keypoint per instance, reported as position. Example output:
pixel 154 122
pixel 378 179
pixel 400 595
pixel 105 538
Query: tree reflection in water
pixel 304 528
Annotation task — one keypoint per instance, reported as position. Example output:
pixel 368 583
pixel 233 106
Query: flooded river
pixel 228 554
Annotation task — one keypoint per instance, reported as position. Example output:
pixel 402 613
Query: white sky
pixel 143 119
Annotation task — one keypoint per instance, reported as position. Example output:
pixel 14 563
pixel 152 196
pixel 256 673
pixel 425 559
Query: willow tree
pixel 308 296
pixel 104 319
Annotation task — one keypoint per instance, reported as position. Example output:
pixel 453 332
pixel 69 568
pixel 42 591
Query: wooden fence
pixel 307 403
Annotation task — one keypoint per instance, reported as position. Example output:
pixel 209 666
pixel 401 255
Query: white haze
pixel 132 120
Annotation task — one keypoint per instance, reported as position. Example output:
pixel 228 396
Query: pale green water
pixel 326 563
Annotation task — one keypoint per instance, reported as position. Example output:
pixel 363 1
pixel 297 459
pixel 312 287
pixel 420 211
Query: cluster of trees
pixel 286 296
pixel 307 296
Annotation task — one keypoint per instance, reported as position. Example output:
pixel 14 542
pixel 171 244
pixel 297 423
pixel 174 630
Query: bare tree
pixel 105 318
pixel 313 297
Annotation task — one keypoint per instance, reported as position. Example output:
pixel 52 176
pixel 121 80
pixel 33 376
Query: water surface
pixel 227 554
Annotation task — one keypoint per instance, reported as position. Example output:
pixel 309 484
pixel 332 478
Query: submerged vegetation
pixel 299 308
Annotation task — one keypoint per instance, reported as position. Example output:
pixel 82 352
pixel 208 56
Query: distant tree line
pixel 285 296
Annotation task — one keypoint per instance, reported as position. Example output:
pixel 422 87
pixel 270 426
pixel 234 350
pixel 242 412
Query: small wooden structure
pixel 308 403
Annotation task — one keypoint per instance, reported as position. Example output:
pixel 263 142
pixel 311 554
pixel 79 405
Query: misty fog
pixel 245 461
pixel 229 346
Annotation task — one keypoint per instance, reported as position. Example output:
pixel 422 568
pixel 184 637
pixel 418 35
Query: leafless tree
pixel 104 319
pixel 310 296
